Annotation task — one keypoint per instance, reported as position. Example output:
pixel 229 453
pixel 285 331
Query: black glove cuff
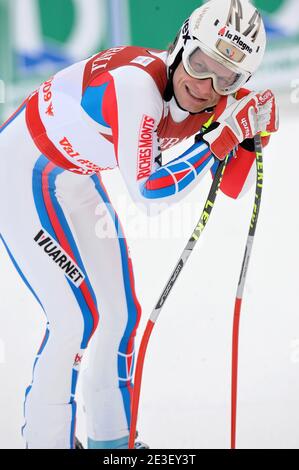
pixel 248 144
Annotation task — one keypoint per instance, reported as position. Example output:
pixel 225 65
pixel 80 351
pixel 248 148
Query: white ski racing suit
pixel 105 112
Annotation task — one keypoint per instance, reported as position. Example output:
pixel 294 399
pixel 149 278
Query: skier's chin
pixel 192 105
pixel 191 102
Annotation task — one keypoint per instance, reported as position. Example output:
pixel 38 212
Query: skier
pixel 119 108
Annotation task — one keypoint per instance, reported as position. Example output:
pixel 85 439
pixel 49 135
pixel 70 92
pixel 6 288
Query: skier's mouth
pixel 194 96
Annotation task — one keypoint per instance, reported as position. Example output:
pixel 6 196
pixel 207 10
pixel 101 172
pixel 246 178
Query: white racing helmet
pixel 224 40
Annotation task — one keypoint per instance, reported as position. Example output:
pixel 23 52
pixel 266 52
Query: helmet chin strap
pixel 169 92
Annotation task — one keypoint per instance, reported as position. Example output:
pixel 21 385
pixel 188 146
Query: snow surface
pixel 185 400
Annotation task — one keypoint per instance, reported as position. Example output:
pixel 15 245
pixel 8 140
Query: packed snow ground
pixel 185 401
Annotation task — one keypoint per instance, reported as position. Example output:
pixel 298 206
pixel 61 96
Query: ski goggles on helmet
pixel 202 63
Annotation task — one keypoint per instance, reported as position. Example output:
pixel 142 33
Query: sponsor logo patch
pixel 200 17
pixel 77 360
pixel 102 60
pixel 222 31
pixel 168 142
pixel 235 39
pixel 185 32
pixel 81 171
pixel 246 127
pixel 68 148
pixel 50 110
pixel 48 95
pixel 230 52
pixel 145 147
pixel 47 87
pixel 59 257
pixel 143 60
pixel 265 97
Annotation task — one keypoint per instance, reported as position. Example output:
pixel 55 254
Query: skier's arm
pixel 225 136
pixel 178 174
pixel 253 113
pixel 240 174
pixel 139 110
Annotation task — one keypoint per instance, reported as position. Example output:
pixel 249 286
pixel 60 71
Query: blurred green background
pixel 39 37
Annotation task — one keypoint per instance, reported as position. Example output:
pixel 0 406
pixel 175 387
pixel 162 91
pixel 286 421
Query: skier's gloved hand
pixel 255 113
pixel 268 115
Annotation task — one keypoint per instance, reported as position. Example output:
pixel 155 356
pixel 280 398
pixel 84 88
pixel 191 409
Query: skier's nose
pixel 205 87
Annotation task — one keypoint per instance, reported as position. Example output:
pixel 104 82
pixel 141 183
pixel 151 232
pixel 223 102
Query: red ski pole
pixel 174 275
pixel 241 284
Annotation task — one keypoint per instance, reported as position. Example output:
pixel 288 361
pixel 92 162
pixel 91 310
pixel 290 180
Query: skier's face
pixel 192 94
